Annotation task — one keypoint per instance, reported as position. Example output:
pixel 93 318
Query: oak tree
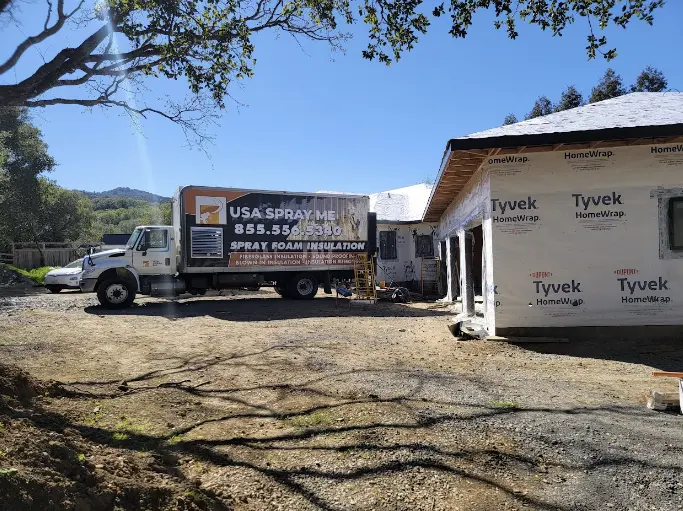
pixel 33 208
pixel 210 44
pixel 24 158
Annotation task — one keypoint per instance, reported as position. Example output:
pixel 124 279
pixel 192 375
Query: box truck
pixel 227 238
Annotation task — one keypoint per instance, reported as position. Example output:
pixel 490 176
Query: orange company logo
pixel 626 271
pixel 540 274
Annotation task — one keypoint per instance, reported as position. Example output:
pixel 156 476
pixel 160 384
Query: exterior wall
pixel 471 208
pixel 406 269
pixel 580 238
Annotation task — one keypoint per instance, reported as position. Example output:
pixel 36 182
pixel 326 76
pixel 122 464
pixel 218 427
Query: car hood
pixel 107 253
pixel 63 271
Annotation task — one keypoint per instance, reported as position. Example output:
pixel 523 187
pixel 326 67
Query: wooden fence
pixel 27 256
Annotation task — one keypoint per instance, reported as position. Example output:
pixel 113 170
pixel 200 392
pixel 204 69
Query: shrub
pixel 37 275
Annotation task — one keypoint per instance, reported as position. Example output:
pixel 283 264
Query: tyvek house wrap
pixel 580 237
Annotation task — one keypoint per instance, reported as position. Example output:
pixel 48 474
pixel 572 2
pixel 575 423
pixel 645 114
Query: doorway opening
pixel 442 280
pixel 454 263
pixel 473 268
pixel 477 259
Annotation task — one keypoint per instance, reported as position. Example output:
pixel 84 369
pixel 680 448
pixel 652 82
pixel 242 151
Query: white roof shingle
pixel 401 205
pixel 628 111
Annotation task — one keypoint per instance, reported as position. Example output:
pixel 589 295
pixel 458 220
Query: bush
pixel 37 275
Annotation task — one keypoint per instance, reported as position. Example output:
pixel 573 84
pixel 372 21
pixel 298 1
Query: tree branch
pixel 4 5
pixel 47 32
pixel 49 15
pixel 65 62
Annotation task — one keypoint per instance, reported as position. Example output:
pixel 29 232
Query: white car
pixel 64 278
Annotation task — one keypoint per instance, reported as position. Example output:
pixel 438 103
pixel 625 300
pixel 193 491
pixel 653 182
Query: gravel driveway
pixel 253 402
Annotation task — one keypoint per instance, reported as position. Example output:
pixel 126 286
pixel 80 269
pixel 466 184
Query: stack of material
pixel 666 400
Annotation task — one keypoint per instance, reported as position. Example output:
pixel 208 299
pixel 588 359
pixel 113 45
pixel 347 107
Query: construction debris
pixel 394 294
pixel 670 374
pixel 663 400
pixel 12 278
pixel 468 330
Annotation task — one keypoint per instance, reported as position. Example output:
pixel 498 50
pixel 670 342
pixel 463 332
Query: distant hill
pixel 127 193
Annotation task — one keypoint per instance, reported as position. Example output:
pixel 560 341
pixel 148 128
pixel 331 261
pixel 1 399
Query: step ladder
pixel 364 275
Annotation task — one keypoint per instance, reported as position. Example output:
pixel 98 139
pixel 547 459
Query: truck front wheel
pixel 116 293
pixel 303 286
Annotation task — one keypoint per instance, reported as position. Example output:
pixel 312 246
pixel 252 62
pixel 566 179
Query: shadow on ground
pixel 288 438
pixel 377 449
pixel 663 354
pixel 272 309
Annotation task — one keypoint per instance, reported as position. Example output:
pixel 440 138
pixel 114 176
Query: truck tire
pixel 303 286
pixel 116 293
pixel 54 289
pixel 281 289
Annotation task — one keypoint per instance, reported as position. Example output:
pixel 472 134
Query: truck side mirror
pixel 145 242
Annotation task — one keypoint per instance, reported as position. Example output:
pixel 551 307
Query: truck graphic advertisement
pixel 266 229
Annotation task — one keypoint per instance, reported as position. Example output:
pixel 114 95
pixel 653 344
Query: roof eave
pixel 553 141
pixel 565 137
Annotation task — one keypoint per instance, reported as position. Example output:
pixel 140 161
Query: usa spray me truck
pixel 226 238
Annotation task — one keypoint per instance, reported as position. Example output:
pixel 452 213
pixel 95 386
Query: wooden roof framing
pixel 464 156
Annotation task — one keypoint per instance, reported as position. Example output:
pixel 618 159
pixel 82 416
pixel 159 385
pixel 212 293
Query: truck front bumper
pixel 87 285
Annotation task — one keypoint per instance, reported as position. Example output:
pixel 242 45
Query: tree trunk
pixel 40 250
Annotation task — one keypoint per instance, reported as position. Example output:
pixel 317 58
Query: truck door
pixel 153 253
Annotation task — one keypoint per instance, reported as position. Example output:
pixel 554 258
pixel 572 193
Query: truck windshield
pixel 133 239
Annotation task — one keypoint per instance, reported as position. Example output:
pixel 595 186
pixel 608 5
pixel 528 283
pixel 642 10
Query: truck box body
pixel 224 229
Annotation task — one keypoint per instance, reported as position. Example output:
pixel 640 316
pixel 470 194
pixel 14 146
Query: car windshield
pixel 76 264
pixel 133 239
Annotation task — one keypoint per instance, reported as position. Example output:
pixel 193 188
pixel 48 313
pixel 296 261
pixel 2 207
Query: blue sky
pixel 316 120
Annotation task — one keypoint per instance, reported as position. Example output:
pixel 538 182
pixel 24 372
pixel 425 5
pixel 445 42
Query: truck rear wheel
pixel 116 293
pixel 303 286
pixel 281 289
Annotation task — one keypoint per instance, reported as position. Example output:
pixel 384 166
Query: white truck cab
pixel 152 250
pixel 116 277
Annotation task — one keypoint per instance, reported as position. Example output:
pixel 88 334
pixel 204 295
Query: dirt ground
pixel 251 402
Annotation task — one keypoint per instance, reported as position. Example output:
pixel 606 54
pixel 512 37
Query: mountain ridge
pixel 127 193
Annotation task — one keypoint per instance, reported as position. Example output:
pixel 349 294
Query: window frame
pixel 146 235
pixel 672 203
pixel 383 255
pixel 430 255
